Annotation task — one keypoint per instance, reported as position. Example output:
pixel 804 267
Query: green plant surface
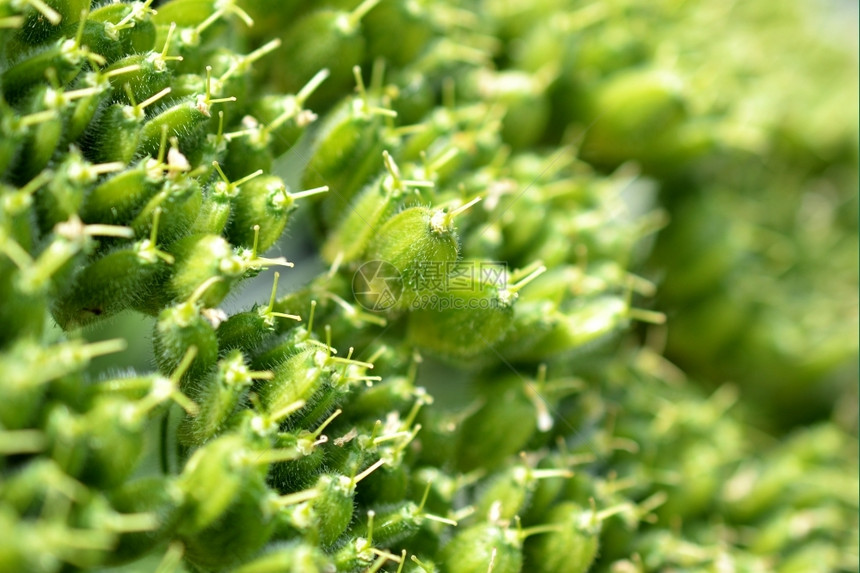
pixel 462 286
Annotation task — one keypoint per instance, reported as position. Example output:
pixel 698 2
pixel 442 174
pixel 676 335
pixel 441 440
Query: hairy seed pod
pixel 571 548
pixel 220 396
pixel 112 283
pixel 344 152
pixel 261 211
pixel 473 312
pixel 416 241
pixel 328 39
pixel 157 496
pixel 181 327
pixel 290 557
pixel 117 199
pixel 248 331
pixel 368 212
pixel 483 547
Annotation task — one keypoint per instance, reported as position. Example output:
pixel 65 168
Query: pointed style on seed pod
pixel 509 492
pixel 184 120
pixel 202 257
pixel 573 545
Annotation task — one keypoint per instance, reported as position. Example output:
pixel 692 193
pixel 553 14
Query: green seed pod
pixel 509 493
pixel 247 331
pixel 285 117
pixel 548 490
pixel 392 524
pixel 210 512
pixel 486 442
pixel 27 490
pixel 335 389
pixel 42 139
pixel 414 23
pixel 292 557
pixel 356 555
pixel 217 462
pixel 117 199
pixel 45 21
pixel 261 211
pixel 180 328
pixel 296 379
pixel 484 547
pixel 28 367
pixel 205 259
pixel 105 444
pixel 145 73
pixel 156 496
pixel 640 112
pixel 93 91
pixel 62 197
pixel 16 211
pixel 186 13
pixel 234 74
pixel 371 208
pixel 199 22
pixel 334 504
pixel 14 129
pixel 222 544
pixel 112 283
pixel 302 472
pixel 474 313
pixel 65 57
pixel 327 39
pixel 344 152
pixel 180 200
pixel 587 324
pixel 184 120
pixel 109 438
pixel 117 135
pixel 220 396
pixel 127 25
pixel 572 547
pixel 416 240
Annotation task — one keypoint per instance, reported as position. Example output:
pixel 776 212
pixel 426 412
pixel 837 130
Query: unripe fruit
pixel 474 314
pixel 326 39
pixel 264 202
pixel 571 548
pixel 180 328
pixel 414 241
pixel 483 547
pixel 114 282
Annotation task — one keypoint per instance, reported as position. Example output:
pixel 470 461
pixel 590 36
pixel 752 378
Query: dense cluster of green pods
pixel 504 201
